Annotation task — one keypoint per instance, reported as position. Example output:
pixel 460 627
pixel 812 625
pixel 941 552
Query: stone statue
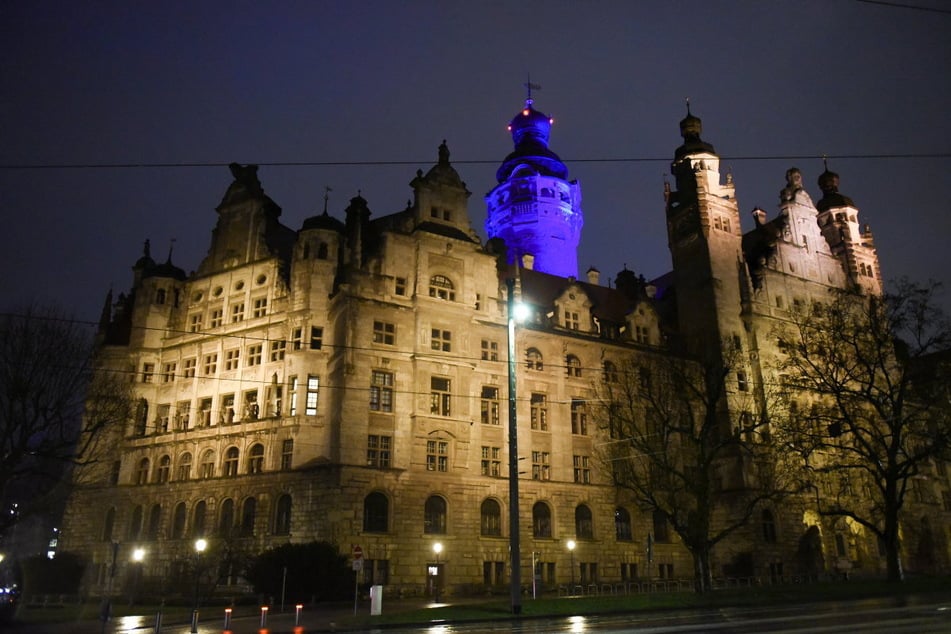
pixel 793 191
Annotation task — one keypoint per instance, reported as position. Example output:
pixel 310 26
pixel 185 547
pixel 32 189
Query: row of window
pixel 208 466
pixel 146 525
pixel 235 313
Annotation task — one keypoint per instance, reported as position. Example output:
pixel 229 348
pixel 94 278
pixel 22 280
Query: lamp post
pixel 138 555
pixel 571 549
pixel 200 546
pixel 437 548
pixel 515 586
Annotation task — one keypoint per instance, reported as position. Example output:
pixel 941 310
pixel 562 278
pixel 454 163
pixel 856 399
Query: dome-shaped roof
pixel 145 262
pixel 530 130
pixel 323 221
pixel 829 184
pixel 167 269
pixel 690 129
pixel 530 126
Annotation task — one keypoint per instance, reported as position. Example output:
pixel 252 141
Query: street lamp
pixel 437 548
pixel 200 546
pixel 571 549
pixel 138 555
pixel 515 586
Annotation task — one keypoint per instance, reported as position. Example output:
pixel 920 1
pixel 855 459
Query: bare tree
pixel 870 414
pixel 55 404
pixel 680 454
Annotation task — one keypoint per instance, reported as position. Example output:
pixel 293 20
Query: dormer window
pixel 441 287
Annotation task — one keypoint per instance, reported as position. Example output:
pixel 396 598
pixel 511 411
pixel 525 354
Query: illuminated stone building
pixel 346 381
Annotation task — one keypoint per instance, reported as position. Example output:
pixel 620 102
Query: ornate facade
pixel 347 381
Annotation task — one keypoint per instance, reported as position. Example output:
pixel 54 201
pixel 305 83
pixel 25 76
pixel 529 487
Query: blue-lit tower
pixel 535 209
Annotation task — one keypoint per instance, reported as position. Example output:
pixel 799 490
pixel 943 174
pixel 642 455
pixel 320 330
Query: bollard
pixel 158 622
pixel 297 611
pixel 227 618
pixel 263 616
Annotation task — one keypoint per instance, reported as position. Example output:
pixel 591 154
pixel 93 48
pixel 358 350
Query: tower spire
pixel 529 86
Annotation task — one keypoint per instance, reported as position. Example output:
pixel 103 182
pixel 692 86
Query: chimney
pixel 594 276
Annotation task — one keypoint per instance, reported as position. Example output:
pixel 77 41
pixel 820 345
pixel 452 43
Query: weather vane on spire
pixel 529 86
pixel 327 191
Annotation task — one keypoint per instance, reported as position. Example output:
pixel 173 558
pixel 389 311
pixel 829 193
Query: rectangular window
pixel 148 372
pixel 204 408
pixel 227 413
pixel 278 349
pixel 310 407
pixel 440 396
pixel 217 317
pixel 188 368
pixel 478 304
pixel 437 455
pixel 582 470
pixel 194 322
pixel 400 286
pixel 384 332
pixel 541 465
pixel 209 364
pixel 316 337
pixel 231 359
pixel 259 307
pixel 168 372
pixel 441 340
pixel 287 454
pixel 252 411
pixel 381 391
pixel 490 405
pixel 237 313
pixel 378 451
pixel 579 418
pixel 182 415
pixel 492 461
pixel 641 334
pixel 539 412
pixel 162 413
pixel 572 322
pixel 292 385
pixel 742 383
pixel 490 350
pixel 255 354
pixel 296 338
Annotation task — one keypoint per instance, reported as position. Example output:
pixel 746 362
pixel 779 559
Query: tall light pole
pixel 571 549
pixel 138 555
pixel 516 564
pixel 200 546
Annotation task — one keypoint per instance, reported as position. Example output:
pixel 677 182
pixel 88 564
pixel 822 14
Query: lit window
pixel 384 332
pixel 441 287
pixel 440 396
pixel 381 391
pixel 378 451
pixel 437 455
pixel 310 404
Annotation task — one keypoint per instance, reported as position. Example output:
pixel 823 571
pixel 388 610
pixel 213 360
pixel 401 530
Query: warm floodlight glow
pixel 138 555
pixel 437 548
pixel 571 544
pixel 521 312
pixel 200 545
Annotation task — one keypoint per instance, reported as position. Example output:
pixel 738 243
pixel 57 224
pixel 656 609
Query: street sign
pixel 357 565
pixel 357 553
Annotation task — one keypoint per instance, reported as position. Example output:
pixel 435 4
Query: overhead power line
pixel 630 159
pixel 913 7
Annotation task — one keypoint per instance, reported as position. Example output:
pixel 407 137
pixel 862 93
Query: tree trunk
pixel 895 572
pixel 702 576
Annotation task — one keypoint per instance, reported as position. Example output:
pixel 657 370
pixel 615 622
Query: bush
pixel 60 575
pixel 316 571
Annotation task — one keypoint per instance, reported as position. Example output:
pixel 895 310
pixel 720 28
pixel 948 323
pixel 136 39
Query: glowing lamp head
pixel 571 544
pixel 437 548
pixel 200 545
pixel 138 555
pixel 521 312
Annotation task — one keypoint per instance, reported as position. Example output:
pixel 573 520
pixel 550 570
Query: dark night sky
pixel 269 82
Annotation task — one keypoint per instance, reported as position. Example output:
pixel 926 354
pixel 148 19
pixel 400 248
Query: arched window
pixel 491 518
pixel 376 512
pixel 441 287
pixel 155 519
pixel 199 519
pixel 142 471
pixel 541 520
pixel 231 462
pixel 207 464
pixel 185 467
pixel 434 515
pixel 533 359
pixel 769 527
pixel 282 516
pixel 661 528
pixel 226 518
pixel 178 521
pixel 135 524
pixel 163 469
pixel 622 525
pixel 248 512
pixel 108 524
pixel 322 251
pixel 256 458
pixel 160 296
pixel 573 365
pixel 584 528
pixel 610 372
